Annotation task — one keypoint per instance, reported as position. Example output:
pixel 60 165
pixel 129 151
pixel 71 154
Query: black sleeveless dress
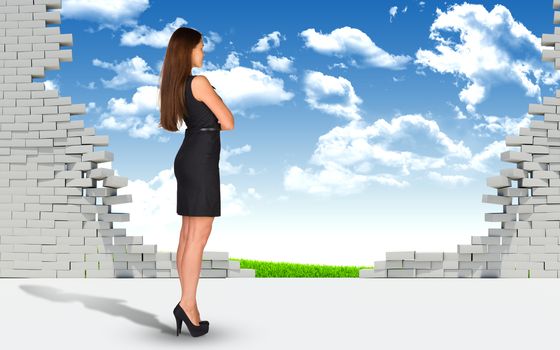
pixel 196 163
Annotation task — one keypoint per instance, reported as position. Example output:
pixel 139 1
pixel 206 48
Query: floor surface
pixel 283 313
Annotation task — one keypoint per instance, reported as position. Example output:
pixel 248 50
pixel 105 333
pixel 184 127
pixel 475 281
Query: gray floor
pixel 288 313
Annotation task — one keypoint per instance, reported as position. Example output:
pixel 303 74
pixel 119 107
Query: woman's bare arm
pixel 203 91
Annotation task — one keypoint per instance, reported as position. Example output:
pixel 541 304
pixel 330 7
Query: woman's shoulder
pixel 201 79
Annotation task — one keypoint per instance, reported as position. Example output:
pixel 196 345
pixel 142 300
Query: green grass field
pixel 268 269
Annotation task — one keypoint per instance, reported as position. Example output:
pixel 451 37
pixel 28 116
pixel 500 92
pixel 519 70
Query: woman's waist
pixel 197 129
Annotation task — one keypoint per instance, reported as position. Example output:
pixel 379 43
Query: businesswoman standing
pixel 191 99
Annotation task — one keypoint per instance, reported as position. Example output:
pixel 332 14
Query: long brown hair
pixel 177 66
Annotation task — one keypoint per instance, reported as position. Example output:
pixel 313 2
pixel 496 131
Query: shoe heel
pixel 179 323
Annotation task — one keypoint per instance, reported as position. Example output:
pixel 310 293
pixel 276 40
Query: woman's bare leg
pixel 181 251
pixel 198 231
pixel 182 245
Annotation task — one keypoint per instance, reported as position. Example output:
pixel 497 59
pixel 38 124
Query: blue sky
pixel 359 128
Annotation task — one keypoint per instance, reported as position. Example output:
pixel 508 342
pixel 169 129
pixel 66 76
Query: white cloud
pixel 338 65
pixel 491 48
pixel 90 86
pixel 259 66
pixel 242 88
pixel 350 157
pixel 459 112
pixel 206 65
pixel 280 64
pixel 226 167
pixel 137 127
pixel 232 61
pixel 275 63
pixel 144 100
pixel 472 95
pixel 91 107
pixel 233 204
pixel 108 13
pixel 146 129
pixel 210 40
pixel 392 13
pixel 477 162
pixel 348 41
pixel 253 192
pixel 136 116
pixel 332 179
pixel 51 85
pixel 130 73
pixel 350 144
pixel 263 44
pixel 449 179
pixel 503 125
pixel 144 35
pixel 319 86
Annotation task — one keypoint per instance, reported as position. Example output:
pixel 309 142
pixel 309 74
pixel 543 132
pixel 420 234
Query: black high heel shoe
pixel 181 316
pixel 201 322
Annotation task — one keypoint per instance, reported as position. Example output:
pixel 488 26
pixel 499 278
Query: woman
pixel 192 99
